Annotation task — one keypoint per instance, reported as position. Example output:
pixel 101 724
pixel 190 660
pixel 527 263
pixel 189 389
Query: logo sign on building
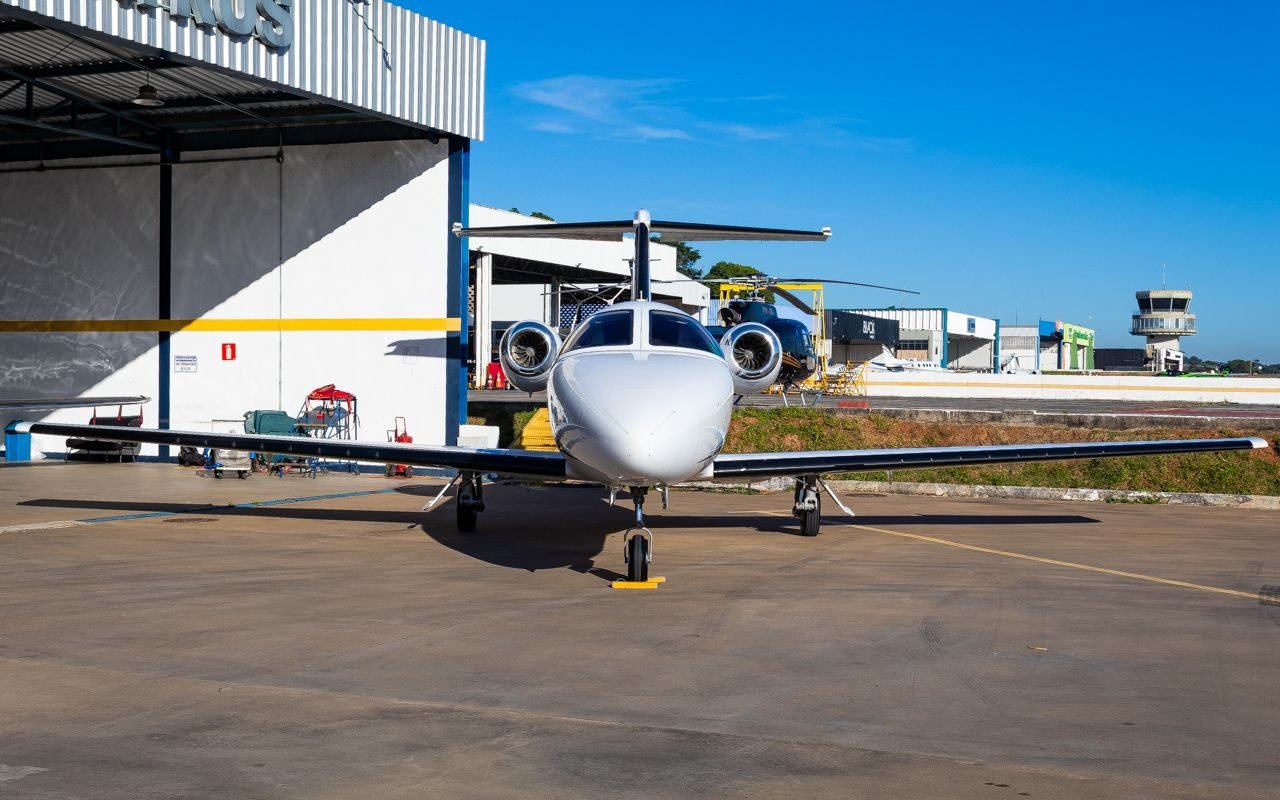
pixel 869 328
pixel 229 351
pixel 270 21
pixel 184 363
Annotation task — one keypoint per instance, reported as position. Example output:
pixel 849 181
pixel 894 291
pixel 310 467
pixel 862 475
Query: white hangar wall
pixel 331 267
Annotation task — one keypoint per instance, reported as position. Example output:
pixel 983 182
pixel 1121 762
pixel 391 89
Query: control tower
pixel 1163 317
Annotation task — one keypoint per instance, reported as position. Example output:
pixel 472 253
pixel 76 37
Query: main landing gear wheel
pixel 808 505
pixel 811 521
pixel 470 501
pixel 467 519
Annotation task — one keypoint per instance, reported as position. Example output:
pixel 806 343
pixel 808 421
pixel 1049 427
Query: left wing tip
pixel 1258 443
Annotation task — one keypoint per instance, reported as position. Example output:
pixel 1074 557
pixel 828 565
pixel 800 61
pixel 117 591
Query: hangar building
pixel 223 205
pixel 859 337
pixel 1046 345
pixel 942 336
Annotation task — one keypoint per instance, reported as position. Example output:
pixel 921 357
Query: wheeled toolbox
pixel 225 461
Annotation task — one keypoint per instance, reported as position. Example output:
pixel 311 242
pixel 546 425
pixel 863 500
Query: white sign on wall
pixel 184 363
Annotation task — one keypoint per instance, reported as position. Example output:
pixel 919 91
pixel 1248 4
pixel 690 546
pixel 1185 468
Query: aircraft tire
pixel 811 521
pixel 467 519
pixel 637 558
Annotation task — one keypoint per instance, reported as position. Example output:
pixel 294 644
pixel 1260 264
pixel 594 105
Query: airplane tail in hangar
pixel 643 227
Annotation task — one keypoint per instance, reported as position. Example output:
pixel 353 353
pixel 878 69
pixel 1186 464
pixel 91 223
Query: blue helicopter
pixel 799 361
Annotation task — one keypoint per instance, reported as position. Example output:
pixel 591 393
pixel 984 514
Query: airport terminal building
pixel 224 205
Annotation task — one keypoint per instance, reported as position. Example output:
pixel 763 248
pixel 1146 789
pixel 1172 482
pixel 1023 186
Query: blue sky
pixel 1011 160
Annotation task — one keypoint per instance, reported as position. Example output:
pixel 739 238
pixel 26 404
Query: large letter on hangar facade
pixel 269 20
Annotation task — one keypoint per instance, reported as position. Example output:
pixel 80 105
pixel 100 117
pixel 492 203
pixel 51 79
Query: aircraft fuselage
pixel 637 410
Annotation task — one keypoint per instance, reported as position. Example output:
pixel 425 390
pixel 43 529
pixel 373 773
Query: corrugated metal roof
pixel 372 56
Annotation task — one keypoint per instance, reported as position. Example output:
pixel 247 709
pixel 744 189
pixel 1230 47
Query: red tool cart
pixel 400 434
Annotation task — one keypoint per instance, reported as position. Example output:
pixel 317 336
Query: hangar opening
pixel 223 214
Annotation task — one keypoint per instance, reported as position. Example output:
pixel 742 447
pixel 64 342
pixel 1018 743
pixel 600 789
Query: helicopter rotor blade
pixel 793 300
pixel 848 283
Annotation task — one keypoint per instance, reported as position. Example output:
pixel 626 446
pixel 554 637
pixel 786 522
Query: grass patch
pixel 793 429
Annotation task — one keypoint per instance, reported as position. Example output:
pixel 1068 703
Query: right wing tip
pixel 1258 443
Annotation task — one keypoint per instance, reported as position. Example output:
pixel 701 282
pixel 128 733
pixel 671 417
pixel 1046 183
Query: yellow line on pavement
pixel 1055 562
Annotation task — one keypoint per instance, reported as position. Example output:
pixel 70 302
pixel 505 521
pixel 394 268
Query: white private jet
pixel 640 396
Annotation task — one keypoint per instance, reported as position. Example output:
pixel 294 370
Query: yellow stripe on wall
pixel 230 325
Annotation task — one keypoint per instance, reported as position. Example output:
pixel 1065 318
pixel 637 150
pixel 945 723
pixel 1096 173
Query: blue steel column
pixel 165 291
pixel 946 346
pixel 459 269
pixel 996 357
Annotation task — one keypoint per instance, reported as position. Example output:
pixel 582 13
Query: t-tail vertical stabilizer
pixel 640 268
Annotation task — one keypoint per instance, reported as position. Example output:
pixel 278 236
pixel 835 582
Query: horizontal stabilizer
pixel 669 231
pixel 54 403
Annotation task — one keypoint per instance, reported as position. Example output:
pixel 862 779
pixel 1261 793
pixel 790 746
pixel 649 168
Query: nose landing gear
pixel 637 549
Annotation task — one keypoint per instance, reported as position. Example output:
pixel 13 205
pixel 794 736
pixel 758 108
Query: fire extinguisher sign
pixel 229 351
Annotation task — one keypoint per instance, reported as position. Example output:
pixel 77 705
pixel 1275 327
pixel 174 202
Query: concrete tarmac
pixel 353 646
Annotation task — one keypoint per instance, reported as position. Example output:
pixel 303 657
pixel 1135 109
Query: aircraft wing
pixel 764 465
pixel 509 462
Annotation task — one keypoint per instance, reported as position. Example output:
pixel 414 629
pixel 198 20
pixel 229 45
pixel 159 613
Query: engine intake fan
pixel 527 352
pixel 754 354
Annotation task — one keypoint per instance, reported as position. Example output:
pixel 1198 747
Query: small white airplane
pixel 888 362
pixel 640 397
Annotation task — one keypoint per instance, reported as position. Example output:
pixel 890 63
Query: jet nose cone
pixel 641 418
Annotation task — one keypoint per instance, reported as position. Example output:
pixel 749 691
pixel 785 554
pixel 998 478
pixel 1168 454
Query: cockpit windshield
pixel 677 330
pixel 606 329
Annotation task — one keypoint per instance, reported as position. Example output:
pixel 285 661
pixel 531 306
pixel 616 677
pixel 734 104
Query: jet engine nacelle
pixel 527 352
pixel 754 354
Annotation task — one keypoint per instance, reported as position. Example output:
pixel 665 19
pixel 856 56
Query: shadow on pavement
pixel 530 528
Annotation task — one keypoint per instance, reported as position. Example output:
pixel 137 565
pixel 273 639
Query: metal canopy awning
pixel 64 94
pixel 509 270
pixel 514 270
